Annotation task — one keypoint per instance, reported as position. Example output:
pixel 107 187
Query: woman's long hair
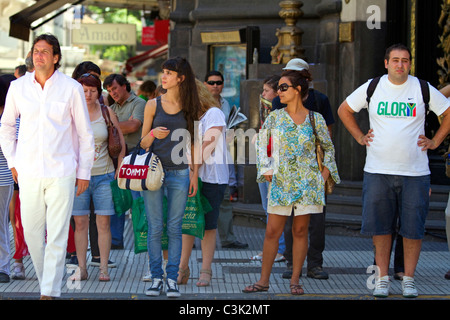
pixel 206 98
pixel 188 94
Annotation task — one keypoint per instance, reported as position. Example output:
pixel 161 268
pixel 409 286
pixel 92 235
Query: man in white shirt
pixel 52 157
pixel 396 174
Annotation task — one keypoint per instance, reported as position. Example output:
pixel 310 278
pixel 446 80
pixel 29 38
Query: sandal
pixel 255 288
pixel 183 276
pixel 296 289
pixel 80 274
pixel 104 276
pixel 204 282
pixel 258 257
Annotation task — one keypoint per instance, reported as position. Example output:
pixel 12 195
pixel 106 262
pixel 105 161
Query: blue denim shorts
pixel 99 191
pixel 391 201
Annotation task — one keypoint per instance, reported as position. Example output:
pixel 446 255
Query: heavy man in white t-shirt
pixel 396 174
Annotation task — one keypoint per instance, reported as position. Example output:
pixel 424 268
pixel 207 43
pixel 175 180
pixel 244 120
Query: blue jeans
pixel 263 191
pixel 175 188
pixel 6 193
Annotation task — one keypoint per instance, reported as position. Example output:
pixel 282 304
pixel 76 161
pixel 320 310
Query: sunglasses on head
pixel 85 75
pixel 211 83
pixel 284 87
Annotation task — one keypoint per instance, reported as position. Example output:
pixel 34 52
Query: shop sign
pixel 105 34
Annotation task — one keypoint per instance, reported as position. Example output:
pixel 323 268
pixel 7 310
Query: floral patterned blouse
pixel 296 177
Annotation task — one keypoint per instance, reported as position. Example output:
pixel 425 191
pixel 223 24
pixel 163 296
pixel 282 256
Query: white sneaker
pixel 409 287
pixel 18 272
pixel 382 285
pixel 156 288
pixel 172 289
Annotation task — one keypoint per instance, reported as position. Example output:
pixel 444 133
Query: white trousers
pixel 46 208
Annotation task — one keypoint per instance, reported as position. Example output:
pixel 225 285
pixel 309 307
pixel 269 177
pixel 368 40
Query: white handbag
pixel 140 172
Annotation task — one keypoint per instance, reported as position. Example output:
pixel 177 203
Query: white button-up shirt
pixel 55 136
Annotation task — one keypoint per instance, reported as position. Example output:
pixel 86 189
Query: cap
pixel 296 64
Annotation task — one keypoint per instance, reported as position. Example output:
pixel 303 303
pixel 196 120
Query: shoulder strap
pixel 426 99
pixel 371 88
pixel 105 113
pixel 425 94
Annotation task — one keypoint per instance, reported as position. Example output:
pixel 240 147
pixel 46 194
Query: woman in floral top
pixel 297 185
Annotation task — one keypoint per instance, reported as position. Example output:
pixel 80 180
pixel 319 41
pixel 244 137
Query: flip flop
pixel 255 288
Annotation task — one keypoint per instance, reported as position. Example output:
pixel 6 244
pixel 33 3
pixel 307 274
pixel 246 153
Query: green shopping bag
pixel 194 214
pixel 140 226
pixel 123 200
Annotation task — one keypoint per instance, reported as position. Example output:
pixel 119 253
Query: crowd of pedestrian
pixel 56 170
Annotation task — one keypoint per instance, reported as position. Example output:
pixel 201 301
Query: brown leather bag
pixel 114 145
pixel 329 184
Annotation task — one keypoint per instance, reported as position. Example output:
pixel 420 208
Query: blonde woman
pixel 213 173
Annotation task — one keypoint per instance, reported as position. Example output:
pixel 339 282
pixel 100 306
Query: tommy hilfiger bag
pixel 141 172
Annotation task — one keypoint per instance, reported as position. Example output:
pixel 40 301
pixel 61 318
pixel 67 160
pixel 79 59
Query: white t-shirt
pixel 397 117
pixel 215 167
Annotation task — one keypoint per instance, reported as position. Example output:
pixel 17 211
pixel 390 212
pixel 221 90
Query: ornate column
pixel 444 39
pixel 290 36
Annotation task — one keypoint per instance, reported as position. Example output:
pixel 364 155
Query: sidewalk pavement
pixel 347 257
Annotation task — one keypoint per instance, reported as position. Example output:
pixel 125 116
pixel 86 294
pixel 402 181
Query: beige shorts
pixel 298 209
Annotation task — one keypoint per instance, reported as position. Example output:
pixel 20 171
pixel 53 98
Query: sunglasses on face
pixel 211 83
pixel 283 87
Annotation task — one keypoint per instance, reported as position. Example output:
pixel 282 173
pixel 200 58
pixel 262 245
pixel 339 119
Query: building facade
pixel 343 40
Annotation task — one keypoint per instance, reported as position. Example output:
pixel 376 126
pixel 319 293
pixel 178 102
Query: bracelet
pixel 151 133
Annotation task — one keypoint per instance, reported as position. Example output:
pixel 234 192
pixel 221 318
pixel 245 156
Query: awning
pixel 20 23
pixel 150 54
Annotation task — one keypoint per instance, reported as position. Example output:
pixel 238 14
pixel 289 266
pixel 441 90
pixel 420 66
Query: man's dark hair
pixel 397 46
pixel 53 41
pixel 120 79
pixel 22 69
pixel 148 86
pixel 213 73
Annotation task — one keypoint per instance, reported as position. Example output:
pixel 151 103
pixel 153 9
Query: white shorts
pixel 298 209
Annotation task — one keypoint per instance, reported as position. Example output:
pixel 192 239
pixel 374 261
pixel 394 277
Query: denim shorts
pixel 99 191
pixel 392 200
pixel 214 193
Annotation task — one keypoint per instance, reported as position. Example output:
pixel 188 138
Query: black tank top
pixel 177 125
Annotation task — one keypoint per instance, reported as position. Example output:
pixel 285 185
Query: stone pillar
pixel 181 29
pixel 362 47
